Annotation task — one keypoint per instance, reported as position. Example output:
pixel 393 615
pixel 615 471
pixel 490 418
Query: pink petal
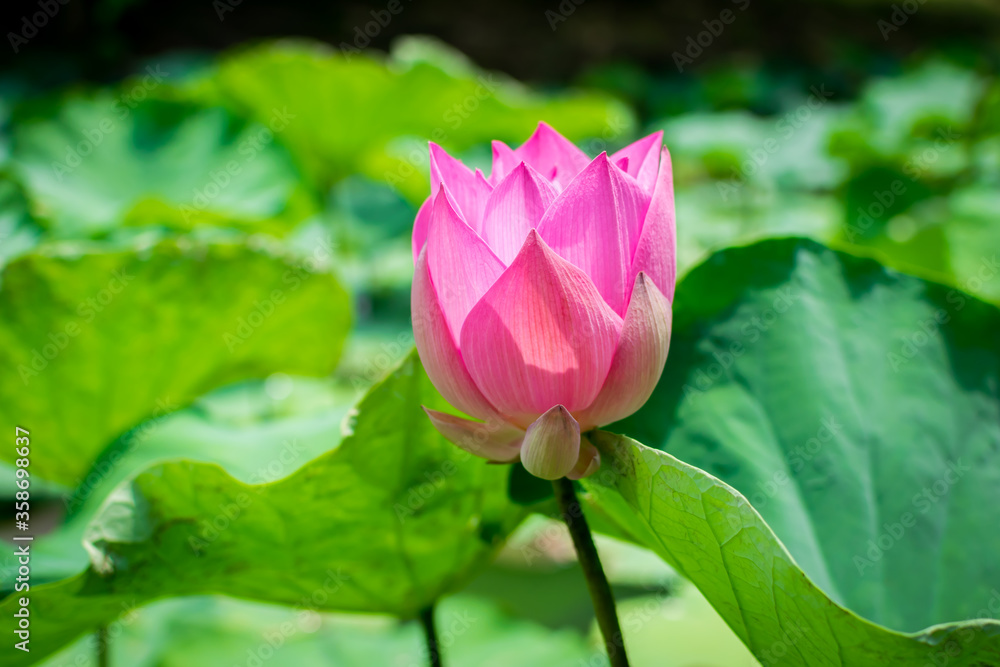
pixel 513 208
pixel 643 159
pixel 552 155
pixel 504 161
pixel 541 336
pixel 595 222
pixel 420 227
pixel 482 180
pixel 469 189
pixel 656 253
pixel 445 168
pixel 551 444
pixel 495 440
pixel 639 359
pixel 462 265
pixel 438 352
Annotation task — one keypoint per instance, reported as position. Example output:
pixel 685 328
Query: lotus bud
pixel 542 295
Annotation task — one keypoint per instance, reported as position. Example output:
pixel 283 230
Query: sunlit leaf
pixel 387 522
pixel 91 163
pixel 446 99
pixel 96 342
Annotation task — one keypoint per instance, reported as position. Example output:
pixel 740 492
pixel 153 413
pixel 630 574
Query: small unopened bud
pixel 551 444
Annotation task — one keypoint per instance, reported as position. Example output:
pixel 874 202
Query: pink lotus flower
pixel 541 295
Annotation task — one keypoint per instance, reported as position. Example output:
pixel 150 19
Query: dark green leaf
pixel 859 411
pixel 526 489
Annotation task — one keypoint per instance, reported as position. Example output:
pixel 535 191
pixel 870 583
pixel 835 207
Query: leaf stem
pixel 430 635
pixel 597 583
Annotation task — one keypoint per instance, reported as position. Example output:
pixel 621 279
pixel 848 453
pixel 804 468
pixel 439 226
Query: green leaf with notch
pixel 389 521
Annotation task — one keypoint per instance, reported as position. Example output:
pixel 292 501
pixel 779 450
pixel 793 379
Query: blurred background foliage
pixel 127 125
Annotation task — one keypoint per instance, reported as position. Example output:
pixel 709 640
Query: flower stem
pixel 102 646
pixel 597 583
pixel 430 634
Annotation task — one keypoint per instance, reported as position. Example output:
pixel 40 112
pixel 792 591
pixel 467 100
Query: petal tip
pixel 544 127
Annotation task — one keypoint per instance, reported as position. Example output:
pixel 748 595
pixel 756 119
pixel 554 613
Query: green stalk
pixel 102 646
pixel 430 635
pixel 597 582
